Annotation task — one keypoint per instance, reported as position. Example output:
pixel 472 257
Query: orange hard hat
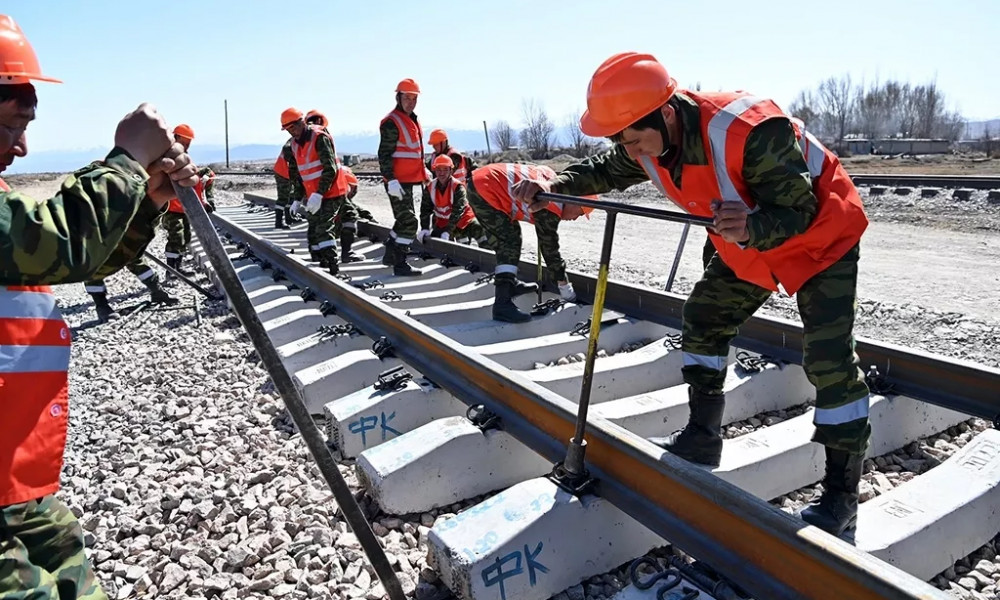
pixel 315 113
pixel 408 86
pixel 625 88
pixel 442 161
pixel 438 136
pixel 184 131
pixel 18 63
pixel 289 116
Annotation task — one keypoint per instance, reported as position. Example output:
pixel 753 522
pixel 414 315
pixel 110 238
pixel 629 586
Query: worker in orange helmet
pixel 175 222
pixel 68 238
pixel 401 161
pixel 786 215
pixel 314 171
pixel 463 164
pixel 314 117
pixel 447 201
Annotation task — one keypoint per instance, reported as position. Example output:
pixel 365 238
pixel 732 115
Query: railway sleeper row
pixel 416 447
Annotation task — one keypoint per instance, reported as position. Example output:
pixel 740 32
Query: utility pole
pixel 225 107
pixel 486 132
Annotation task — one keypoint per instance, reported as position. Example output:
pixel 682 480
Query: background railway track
pixel 630 388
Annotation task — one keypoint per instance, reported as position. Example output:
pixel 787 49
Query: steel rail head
pixel 202 225
pixel 764 550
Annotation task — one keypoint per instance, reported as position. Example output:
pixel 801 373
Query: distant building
pixel 897 146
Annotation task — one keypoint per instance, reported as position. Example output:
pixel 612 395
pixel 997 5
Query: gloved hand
pixel 314 202
pixel 566 291
pixel 445 236
pixel 296 205
pixel 395 190
pixel 422 235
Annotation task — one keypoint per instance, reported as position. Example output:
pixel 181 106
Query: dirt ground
pixel 929 274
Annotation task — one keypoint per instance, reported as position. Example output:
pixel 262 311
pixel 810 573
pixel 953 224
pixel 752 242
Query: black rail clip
pixel 367 285
pixel 390 295
pixel 382 348
pixel 307 294
pixel 447 262
pixel 878 383
pixel 331 331
pixel 543 308
pixel 482 417
pixel 277 275
pixel 672 341
pixel 393 379
pixel 343 277
pixel 326 308
pixel 578 485
pixel 472 267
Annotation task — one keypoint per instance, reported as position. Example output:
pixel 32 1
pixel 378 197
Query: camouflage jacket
pixel 284 185
pixel 209 174
pixel 68 238
pixel 327 156
pixel 774 170
pixel 459 200
pixel 388 136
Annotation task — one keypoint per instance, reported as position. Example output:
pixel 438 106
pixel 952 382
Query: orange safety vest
pixel 726 121
pixel 281 166
pixel 34 391
pixel 494 184
pixel 443 203
pixel 311 168
pixel 408 158
pixel 349 177
pixel 175 205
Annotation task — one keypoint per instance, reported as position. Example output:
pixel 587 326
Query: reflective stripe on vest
pixel 460 173
pixel 408 157
pixel 34 361
pixel 443 199
pixel 518 172
pixel 310 166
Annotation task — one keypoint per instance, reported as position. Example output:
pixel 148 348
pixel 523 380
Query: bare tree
pixel 804 109
pixel 581 144
pixel 538 135
pixel 502 135
pixel 835 105
pixel 871 110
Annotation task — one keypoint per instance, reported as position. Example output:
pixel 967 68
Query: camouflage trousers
pixel 405 227
pixel 42 554
pixel 720 303
pixel 320 230
pixel 505 235
pixel 137 267
pixel 178 229
pixel 350 213
pixel 284 191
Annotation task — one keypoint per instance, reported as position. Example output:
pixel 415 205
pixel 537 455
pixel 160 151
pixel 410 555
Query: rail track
pixel 975 182
pixel 435 403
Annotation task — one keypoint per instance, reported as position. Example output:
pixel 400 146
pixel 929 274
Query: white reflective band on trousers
pixel 326 244
pixel 171 255
pixel 95 289
pixel 717 363
pixel 146 275
pixel 852 411
pixel 505 269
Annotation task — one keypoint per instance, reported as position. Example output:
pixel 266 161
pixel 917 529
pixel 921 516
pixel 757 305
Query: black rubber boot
pixel 389 257
pixel 701 439
pixel 279 219
pixel 328 260
pixel 504 308
pixel 401 268
pixel 104 311
pixel 837 509
pixel 346 241
pixel 157 294
pixel 524 287
pixel 176 264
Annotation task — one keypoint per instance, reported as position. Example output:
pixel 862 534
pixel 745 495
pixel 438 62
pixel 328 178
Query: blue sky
pixel 474 60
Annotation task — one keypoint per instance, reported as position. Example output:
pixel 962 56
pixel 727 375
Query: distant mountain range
pixel 60 161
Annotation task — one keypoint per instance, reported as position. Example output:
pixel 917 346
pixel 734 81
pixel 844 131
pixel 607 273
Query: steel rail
pixel 967 387
pixel 764 550
pixel 978 182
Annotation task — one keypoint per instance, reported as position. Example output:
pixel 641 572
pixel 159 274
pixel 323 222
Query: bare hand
pixel 143 134
pixel 525 190
pixel 174 166
pixel 731 221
